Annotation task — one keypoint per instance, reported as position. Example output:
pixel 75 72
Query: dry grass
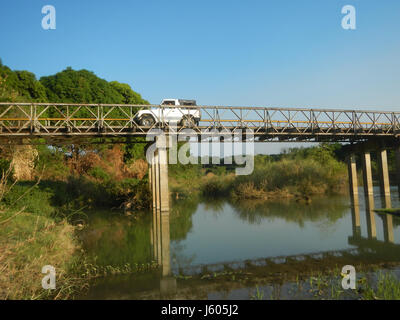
pixel 23 162
pixel 138 169
pixel 27 244
pixel 247 190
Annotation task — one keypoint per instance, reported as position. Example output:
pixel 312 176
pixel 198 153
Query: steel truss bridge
pixel 69 122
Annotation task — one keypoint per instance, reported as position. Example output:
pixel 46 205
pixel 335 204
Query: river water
pixel 199 238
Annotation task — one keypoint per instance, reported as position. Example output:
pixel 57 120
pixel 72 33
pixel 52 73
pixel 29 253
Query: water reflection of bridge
pixel 367 250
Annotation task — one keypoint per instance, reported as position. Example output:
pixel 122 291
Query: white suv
pixel 186 117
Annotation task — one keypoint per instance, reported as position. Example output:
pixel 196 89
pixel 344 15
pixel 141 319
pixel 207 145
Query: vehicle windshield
pixel 168 103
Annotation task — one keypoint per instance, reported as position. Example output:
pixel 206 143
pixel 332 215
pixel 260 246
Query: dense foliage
pixel 109 174
pixel 20 86
pixel 73 86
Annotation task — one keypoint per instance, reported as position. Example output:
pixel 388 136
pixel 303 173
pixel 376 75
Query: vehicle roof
pixel 181 100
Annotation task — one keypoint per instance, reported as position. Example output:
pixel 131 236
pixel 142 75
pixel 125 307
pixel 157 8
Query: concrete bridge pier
pixel 371 224
pixel 367 181
pixel 388 228
pixel 158 176
pixel 368 194
pixel 161 251
pixel 384 178
pixel 355 219
pixel 353 184
pixel 397 158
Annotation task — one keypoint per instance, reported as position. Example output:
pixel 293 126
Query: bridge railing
pixel 115 119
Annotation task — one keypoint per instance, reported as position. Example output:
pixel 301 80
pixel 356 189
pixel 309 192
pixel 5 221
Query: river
pixel 244 243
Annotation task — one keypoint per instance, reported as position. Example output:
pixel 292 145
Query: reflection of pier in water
pixel 368 251
pixel 160 241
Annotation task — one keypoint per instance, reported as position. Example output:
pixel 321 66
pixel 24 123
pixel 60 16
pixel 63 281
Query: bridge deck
pixel 29 120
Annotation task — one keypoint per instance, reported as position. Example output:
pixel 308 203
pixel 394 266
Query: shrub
pixel 98 173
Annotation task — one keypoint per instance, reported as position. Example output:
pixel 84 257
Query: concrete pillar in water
pixel 163 167
pixel 165 244
pixel 161 233
pixel 150 174
pixel 384 178
pixel 152 235
pixel 159 237
pixel 397 157
pixel 355 219
pixel 352 171
pixel 367 180
pixel 388 228
pixel 371 224
pixel 157 207
pixel 156 236
pixel 153 182
pixel 157 179
pixel 369 195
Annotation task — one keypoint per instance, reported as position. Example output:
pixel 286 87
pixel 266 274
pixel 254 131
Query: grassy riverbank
pixel 31 239
pixel 29 242
pixel 379 285
pixel 40 217
pixel 35 232
pixel 39 220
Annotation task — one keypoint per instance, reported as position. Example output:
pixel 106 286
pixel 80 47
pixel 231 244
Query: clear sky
pixel 225 52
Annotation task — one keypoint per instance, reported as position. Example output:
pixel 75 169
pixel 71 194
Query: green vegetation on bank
pixel 394 211
pixel 299 173
pixel 380 285
pixel 51 189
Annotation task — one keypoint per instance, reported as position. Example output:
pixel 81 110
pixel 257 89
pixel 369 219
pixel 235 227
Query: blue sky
pixel 268 53
pixel 280 53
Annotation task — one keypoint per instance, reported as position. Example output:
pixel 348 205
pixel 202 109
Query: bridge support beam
pixel 355 219
pixel 397 157
pixel 368 194
pixel 388 228
pixel 165 247
pixel 367 181
pixel 158 175
pixel 164 190
pixel 353 184
pixel 159 179
pixel 384 178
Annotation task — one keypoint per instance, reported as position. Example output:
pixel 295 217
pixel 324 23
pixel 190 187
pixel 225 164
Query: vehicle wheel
pixel 187 121
pixel 147 121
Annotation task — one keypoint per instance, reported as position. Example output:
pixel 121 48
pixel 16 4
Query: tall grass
pixel 387 288
pixel 290 176
pixel 299 172
pixel 27 243
pixel 30 240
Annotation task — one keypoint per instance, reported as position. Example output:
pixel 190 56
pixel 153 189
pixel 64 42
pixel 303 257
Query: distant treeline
pixel 70 86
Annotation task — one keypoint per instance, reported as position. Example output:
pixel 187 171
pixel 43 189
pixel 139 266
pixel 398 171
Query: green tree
pixel 20 86
pixel 129 96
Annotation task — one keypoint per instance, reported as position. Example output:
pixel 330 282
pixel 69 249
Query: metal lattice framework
pixel 61 120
